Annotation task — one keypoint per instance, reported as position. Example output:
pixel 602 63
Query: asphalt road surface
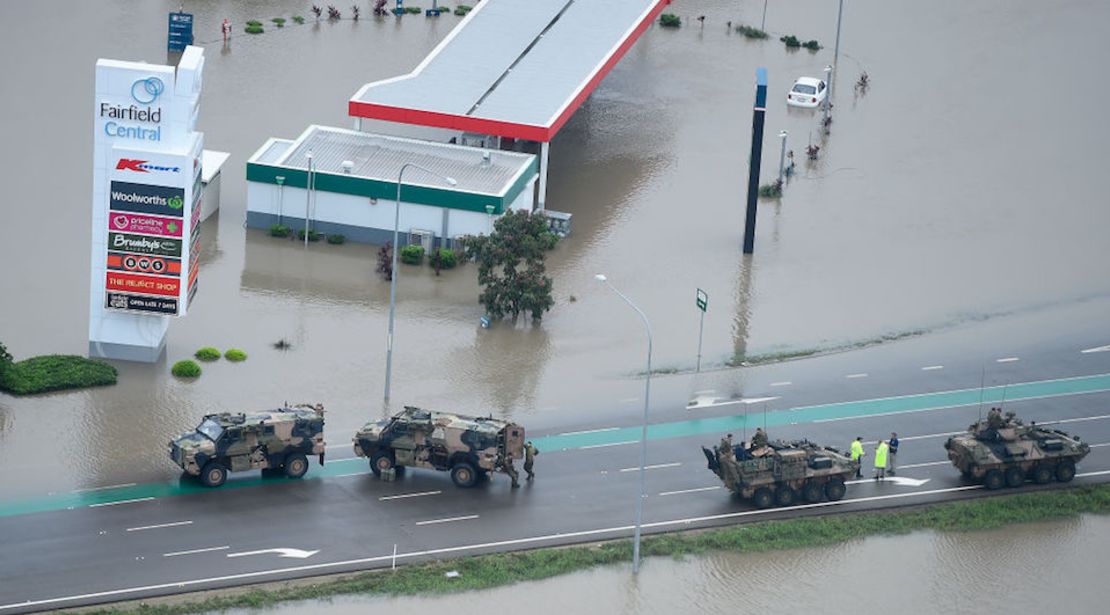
pixel 135 541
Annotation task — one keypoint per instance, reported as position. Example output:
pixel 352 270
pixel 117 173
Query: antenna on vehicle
pixel 1001 403
pixel 764 418
pixel 982 380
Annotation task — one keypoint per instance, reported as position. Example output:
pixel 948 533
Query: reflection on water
pixel 935 199
pixel 1035 568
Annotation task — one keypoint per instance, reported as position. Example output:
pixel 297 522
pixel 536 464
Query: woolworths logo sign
pixel 146 199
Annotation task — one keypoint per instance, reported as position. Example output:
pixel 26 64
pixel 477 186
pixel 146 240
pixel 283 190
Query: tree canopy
pixel 511 266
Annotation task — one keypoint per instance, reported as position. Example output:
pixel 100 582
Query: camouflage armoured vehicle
pixel 782 473
pixel 274 440
pixel 1003 451
pixel 468 447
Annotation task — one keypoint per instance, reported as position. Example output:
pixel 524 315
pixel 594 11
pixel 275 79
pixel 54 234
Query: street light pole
pixel 782 155
pixel 393 268
pixel 643 428
pixel 828 96
pixel 836 53
pixel 307 196
pixel 489 219
pixel 763 23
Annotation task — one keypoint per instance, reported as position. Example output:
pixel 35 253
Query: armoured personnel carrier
pixel 782 473
pixel 1002 451
pixel 274 440
pixel 467 447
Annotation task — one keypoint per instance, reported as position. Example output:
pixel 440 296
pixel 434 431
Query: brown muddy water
pixel 961 184
pixel 1033 568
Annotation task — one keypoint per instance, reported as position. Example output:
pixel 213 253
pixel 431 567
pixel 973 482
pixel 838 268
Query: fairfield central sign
pixel 145 231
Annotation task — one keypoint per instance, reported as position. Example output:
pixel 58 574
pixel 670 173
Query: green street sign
pixel 702 300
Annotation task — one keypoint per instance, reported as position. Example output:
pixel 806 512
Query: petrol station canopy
pixel 512 68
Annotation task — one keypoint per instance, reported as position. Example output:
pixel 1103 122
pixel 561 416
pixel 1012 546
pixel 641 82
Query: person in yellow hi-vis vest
pixel 880 459
pixel 857 454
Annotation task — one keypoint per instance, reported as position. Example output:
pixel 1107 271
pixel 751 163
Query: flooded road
pixel 1039 567
pixel 960 186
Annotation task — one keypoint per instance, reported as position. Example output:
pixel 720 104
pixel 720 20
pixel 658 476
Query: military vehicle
pixel 468 447
pixel 1005 452
pixel 782 473
pixel 275 440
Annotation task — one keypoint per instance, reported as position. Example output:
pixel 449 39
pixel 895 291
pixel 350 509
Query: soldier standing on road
pixel 726 445
pixel 880 459
pixel 857 454
pixel 893 453
pixel 530 453
pixel 506 464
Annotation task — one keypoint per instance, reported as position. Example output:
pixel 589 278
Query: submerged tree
pixel 511 265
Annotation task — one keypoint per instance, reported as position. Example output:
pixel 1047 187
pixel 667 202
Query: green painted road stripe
pixel 693 427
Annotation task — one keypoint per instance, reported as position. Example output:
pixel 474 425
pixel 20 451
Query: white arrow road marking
pixel 750 400
pixel 161 525
pixel 654 467
pixel 192 551
pixel 177 585
pixel 1099 349
pixel 282 552
pixel 897 480
pixel 408 495
pixel 448 520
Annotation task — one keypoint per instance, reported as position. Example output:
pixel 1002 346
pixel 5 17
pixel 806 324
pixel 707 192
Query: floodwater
pixel 1034 568
pixel 960 186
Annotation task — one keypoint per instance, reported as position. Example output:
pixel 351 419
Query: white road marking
pixel 194 551
pixel 482 546
pixel 576 433
pixel 750 400
pixel 901 481
pixel 690 490
pixel 281 552
pixel 654 467
pixel 408 495
pixel 1077 420
pixel 146 499
pixel 781 384
pixel 705 392
pixel 922 465
pixel 1098 445
pixel 159 526
pixel 1098 349
pixel 447 520
pixel 628 400
pixel 120 486
pixel 859 375
pixel 1007 360
pixel 351 474
pixel 929 368
pixel 609 444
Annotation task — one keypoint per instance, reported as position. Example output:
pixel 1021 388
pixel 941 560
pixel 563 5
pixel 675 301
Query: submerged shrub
pixel 412 255
pixel 235 355
pixel 670 20
pixel 185 369
pixel 207 354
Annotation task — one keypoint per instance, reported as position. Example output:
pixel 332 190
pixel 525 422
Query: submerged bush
pixel 279 21
pixel 751 32
pixel 336 238
pixel 207 354
pixel 772 190
pixel 463 9
pixel 312 235
pixel 253 30
pixel 413 10
pixel 279 230
pixel 52 373
pixel 235 355
pixel 790 40
pixel 670 20
pixel 811 45
pixel 298 19
pixel 412 255
pixel 185 369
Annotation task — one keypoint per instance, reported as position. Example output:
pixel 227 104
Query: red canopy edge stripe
pixel 609 64
pixel 464 123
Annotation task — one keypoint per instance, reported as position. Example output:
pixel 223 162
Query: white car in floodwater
pixel 807 92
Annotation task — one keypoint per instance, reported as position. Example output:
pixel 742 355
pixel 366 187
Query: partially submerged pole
pixel 753 161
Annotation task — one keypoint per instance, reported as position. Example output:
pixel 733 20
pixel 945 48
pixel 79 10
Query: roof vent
pixel 485 159
pixel 348 166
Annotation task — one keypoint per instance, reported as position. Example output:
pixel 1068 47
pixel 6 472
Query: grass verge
pixel 54 372
pixel 486 571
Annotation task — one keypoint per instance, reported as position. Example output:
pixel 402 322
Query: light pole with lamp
pixel 308 185
pixel 393 267
pixel 643 431
pixel 782 155
pixel 828 95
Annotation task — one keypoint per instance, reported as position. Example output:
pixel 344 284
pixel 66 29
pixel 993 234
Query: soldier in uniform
pixel 530 453
pixel 759 440
pixel 726 444
pixel 507 465
pixel 994 419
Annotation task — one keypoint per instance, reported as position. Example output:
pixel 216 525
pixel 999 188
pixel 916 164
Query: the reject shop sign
pixel 145 284
pixel 149 225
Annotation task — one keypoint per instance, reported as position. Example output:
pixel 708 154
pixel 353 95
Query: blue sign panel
pixel 181 31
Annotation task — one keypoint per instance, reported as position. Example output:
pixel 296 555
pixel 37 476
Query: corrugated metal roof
pixel 381 157
pixel 514 62
pixel 272 151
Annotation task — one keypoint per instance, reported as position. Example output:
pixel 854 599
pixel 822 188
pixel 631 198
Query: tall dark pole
pixel 756 156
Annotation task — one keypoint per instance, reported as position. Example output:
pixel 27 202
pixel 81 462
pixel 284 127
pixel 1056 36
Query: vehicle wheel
pixel 463 474
pixel 296 465
pixel 812 492
pixel 835 489
pixel 994 479
pixel 1042 474
pixel 785 495
pixel 1065 471
pixel 1015 477
pixel 213 474
pixel 763 498
pixel 380 461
